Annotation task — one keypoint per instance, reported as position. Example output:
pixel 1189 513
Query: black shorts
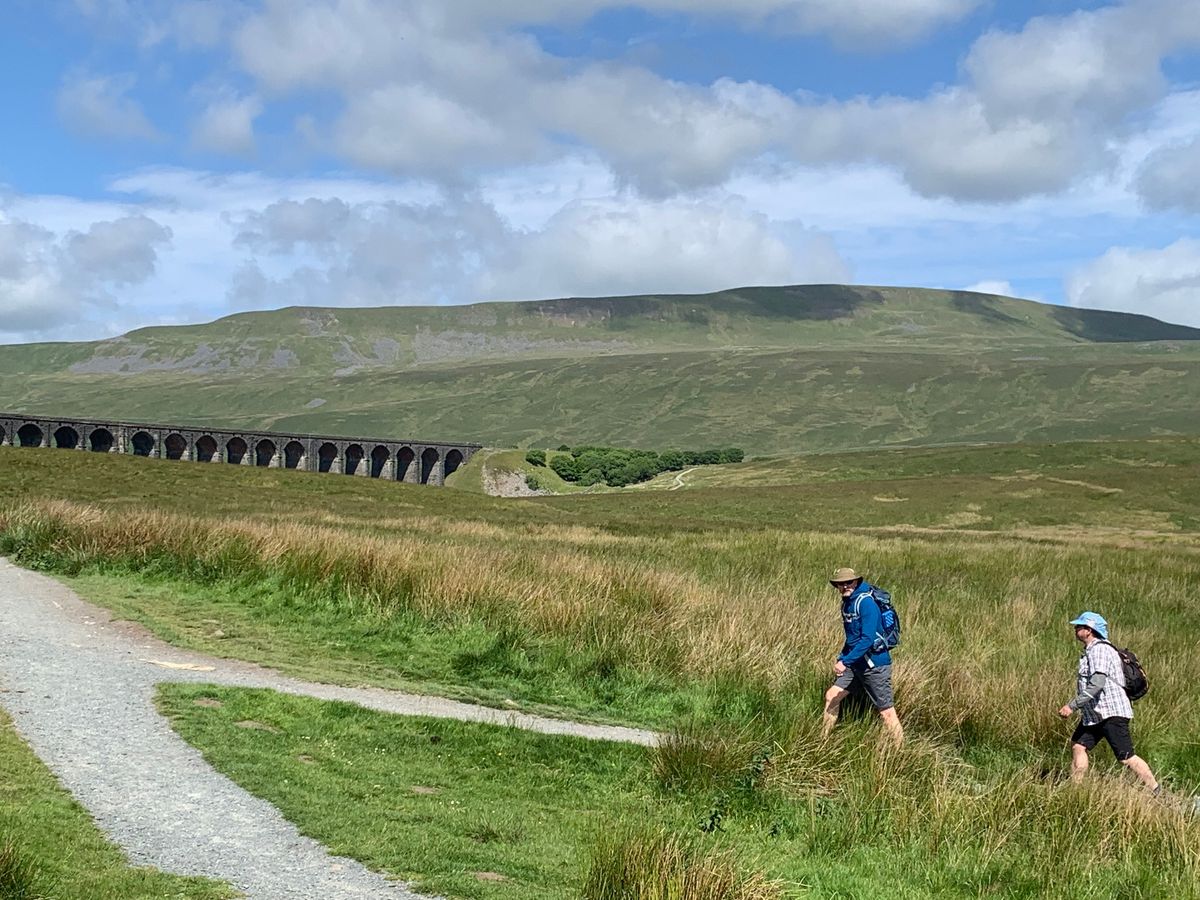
pixel 1114 729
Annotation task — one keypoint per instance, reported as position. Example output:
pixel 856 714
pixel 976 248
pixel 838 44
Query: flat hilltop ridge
pixel 347 339
pixel 787 369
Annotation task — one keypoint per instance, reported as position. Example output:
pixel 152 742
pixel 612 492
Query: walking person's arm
pixel 869 625
pixel 1095 684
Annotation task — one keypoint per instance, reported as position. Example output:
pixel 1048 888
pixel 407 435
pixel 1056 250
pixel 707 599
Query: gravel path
pixel 80 689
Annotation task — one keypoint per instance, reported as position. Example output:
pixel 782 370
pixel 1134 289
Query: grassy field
pixel 771 370
pixel 421 798
pixel 703 611
pixel 51 850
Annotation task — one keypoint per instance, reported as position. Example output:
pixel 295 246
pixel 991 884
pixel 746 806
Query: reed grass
pixel 987 656
pixel 644 864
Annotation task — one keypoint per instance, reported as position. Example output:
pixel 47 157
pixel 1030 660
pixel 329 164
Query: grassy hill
pixel 785 369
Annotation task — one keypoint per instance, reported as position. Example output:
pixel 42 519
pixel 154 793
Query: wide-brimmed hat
pixel 843 575
pixel 1094 621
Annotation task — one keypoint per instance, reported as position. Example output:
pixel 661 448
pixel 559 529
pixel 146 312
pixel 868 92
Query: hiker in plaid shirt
pixel 1100 699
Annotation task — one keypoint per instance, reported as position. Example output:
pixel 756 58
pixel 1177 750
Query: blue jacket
pixel 861 619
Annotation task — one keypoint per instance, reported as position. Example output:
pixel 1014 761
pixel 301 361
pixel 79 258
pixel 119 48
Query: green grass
pixel 425 800
pixel 772 370
pixel 51 850
pixel 346 776
pixel 691 603
pixel 492 463
pixel 703 608
pixel 266 622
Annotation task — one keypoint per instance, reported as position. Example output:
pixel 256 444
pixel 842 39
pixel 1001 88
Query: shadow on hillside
pixel 820 302
pixel 983 306
pixel 1103 326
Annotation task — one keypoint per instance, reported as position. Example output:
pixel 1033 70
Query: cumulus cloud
pixel 190 24
pixel 453 91
pixel 99 106
pixel 411 129
pixel 329 252
pixel 290 225
pixel 1170 177
pixel 1038 107
pixel 1100 65
pixel 227 124
pixel 674 246
pixel 946 145
pixel 120 252
pixel 49 279
pixel 1163 283
pixel 850 21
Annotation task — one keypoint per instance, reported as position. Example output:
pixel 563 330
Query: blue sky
pixel 178 161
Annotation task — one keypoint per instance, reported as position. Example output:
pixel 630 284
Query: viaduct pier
pixel 413 462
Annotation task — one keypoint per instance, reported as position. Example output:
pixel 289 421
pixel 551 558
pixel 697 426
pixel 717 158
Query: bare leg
pixel 1138 767
pixel 891 722
pixel 1079 762
pixel 833 705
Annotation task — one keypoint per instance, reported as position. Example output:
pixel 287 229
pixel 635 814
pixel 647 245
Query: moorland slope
pixel 781 369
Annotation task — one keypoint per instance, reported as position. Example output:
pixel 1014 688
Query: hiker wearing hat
pixel 1101 700
pixel 865 661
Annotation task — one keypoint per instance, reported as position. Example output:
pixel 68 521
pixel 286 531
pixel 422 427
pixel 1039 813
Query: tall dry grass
pixel 1020 821
pixel 646 864
pixel 987 656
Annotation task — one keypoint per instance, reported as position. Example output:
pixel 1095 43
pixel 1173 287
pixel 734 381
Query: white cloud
pixel 50 280
pixel 328 252
pixel 98 106
pixel 411 129
pixel 1170 177
pixel 1095 65
pixel 999 288
pixel 1038 109
pixel 1163 283
pixel 635 247
pixel 946 146
pixel 848 21
pixel 227 124
pixel 190 24
pixel 664 137
pixel 458 91
pixel 120 252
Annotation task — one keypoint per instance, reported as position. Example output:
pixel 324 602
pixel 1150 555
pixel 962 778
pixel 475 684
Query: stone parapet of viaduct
pixel 414 462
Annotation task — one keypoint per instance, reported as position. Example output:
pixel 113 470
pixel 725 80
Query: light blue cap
pixel 1094 621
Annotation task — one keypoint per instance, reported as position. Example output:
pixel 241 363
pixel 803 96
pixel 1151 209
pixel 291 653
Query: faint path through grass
pixel 679 479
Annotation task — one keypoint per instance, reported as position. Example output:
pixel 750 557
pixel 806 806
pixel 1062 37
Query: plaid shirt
pixel 1103 657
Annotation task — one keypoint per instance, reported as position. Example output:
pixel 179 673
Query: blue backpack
pixel 889 634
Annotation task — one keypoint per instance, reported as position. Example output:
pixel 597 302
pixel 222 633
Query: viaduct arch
pixel 412 462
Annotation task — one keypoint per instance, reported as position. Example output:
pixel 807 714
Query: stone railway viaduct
pixel 413 462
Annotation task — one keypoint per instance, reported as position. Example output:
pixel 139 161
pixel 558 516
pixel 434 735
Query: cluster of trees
pixel 617 467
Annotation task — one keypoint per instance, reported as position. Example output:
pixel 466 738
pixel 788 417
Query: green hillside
pixel 768 369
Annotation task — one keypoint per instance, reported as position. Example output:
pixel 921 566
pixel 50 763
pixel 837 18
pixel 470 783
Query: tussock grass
pixel 18 872
pixel 640 864
pixel 1023 819
pixel 747 615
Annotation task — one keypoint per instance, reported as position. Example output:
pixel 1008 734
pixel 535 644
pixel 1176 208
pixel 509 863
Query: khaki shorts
pixel 876 683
